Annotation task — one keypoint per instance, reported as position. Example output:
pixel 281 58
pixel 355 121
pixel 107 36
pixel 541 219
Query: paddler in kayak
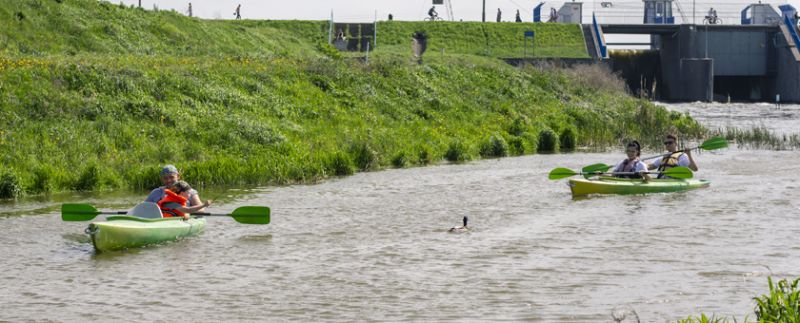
pixel 632 164
pixel 174 202
pixel 675 157
pixel 169 176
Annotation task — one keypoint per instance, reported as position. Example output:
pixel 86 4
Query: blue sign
pixel 529 33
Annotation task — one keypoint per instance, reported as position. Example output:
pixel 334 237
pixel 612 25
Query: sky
pixel 469 10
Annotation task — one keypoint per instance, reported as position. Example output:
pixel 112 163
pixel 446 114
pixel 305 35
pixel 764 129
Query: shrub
pixel 782 304
pixel 43 180
pixel 400 160
pixel 328 50
pixel 457 152
pixel 89 179
pixel 548 141
pixel 10 186
pixel 495 146
pixel 569 139
pixel 364 157
pixel 340 164
pixel 516 146
pixel 424 155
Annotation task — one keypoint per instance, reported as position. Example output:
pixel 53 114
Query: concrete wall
pixel 735 52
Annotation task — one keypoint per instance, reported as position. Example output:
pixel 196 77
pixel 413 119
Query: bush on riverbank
pixel 780 305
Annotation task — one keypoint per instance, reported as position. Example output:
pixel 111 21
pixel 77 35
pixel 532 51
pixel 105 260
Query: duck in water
pixel 461 229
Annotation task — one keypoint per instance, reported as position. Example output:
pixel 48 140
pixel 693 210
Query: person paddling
pixel 169 176
pixel 675 157
pixel 632 164
pixel 174 202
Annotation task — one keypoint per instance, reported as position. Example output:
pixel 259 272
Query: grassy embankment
pixel 97 96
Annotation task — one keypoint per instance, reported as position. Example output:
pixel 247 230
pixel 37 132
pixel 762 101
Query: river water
pixel 374 247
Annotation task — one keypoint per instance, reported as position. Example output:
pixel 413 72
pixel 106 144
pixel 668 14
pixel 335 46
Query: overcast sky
pixel 468 10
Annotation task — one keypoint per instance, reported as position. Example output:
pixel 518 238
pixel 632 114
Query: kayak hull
pixel 123 232
pixel 613 185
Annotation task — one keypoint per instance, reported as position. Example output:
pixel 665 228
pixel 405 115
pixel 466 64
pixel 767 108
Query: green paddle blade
pixel 679 172
pixel 78 212
pixel 560 173
pixel 714 143
pixel 251 215
pixel 590 170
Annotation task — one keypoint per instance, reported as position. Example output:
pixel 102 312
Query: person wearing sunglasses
pixel 169 176
pixel 632 164
pixel 675 157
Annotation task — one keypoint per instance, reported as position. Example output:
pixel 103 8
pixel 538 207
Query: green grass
pixel 760 137
pixel 95 96
pixel 486 39
pixel 780 305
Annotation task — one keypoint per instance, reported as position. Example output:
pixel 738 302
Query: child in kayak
pixel 632 164
pixel 174 202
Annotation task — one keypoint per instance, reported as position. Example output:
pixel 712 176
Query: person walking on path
pixel 238 12
pixel 518 19
pixel 190 9
pixel 499 14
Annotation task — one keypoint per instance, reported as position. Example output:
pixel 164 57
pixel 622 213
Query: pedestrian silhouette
pixel 519 19
pixel 499 14
pixel 238 12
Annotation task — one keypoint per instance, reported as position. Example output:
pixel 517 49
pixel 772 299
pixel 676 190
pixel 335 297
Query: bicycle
pixel 434 18
pixel 709 20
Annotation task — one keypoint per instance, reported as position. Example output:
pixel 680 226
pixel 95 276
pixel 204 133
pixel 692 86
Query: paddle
pixel 711 144
pixel 244 214
pixel 675 172
pixel 590 170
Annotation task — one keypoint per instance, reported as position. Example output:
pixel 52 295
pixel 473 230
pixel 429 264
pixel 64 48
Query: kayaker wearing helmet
pixel 675 158
pixel 170 175
pixel 632 164
pixel 174 202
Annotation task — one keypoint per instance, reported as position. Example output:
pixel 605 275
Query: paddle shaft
pixel 126 212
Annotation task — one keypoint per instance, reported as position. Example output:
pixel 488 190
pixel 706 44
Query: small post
pixel 367 57
pixel 375 31
pixel 483 19
pixel 330 29
pixel 778 100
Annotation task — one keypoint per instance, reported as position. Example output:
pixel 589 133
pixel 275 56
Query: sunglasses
pixel 667 143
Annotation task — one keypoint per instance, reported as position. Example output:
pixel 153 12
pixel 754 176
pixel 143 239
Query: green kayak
pixel 614 185
pixel 122 232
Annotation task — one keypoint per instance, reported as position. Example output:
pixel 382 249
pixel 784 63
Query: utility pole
pixel 140 3
pixel 693 12
pixel 484 11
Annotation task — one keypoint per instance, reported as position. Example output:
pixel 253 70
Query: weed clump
pixel 400 160
pixel 424 155
pixel 548 141
pixel 457 152
pixel 10 186
pixel 494 146
pixel 364 156
pixel 340 164
pixel 569 139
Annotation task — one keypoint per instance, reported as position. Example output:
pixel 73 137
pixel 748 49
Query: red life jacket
pixel 170 203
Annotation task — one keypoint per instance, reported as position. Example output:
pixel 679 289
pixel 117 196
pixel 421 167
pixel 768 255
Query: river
pixel 374 247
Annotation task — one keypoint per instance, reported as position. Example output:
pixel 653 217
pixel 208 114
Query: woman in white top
pixel 632 166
